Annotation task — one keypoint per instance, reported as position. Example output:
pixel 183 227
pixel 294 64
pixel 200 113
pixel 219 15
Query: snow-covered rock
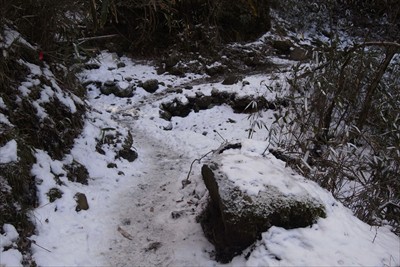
pixel 249 194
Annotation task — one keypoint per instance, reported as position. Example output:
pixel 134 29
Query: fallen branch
pixel 34 242
pixel 186 181
pixel 82 40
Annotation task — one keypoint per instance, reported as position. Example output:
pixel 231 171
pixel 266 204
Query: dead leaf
pixel 124 233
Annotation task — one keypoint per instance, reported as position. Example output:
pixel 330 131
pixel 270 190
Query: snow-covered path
pixel 139 213
pixel 149 235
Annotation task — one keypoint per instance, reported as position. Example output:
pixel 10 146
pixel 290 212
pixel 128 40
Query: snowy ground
pixel 139 213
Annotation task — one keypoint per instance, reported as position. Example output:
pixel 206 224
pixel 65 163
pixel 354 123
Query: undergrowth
pixel 341 129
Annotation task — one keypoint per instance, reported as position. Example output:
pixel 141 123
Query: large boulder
pixel 250 193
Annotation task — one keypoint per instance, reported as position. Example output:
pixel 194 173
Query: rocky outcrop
pixel 120 89
pixel 235 216
pixel 240 104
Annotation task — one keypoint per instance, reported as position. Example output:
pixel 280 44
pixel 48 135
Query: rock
pixel 109 87
pixel 165 115
pixel 176 107
pixel 171 60
pixel 199 94
pixel 124 89
pixel 231 79
pixel 204 102
pixel 128 154
pixel 99 149
pixel 112 165
pixel 120 89
pixel 81 201
pixel 120 65
pixel 216 69
pixel 168 127
pixel 177 214
pixel 76 172
pixel 150 86
pixel 177 71
pixel 283 47
pixel 235 217
pixel 54 194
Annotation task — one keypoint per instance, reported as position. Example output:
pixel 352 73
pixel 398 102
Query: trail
pixel 157 218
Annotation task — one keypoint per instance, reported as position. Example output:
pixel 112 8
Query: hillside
pixel 101 156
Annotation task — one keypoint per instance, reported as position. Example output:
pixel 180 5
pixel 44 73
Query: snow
pixel 253 173
pixel 47 92
pixel 339 240
pixel 8 152
pixel 2 104
pixel 4 120
pixel 9 256
pixel 129 220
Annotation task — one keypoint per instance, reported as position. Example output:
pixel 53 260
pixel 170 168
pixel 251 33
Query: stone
pixel 76 172
pixel 54 194
pixel 120 65
pixel 234 219
pixel 81 202
pixel 204 102
pixel 176 107
pixel 124 90
pixel 150 86
pixel 231 79
pixel 168 127
pixel 177 214
pixel 128 154
pixel 216 69
pixel 282 46
pixel 165 115
pixel 112 165
pixel 109 87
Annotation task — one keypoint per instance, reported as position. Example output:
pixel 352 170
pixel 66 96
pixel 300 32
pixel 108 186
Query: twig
pixel 34 242
pixel 220 136
pixel 82 40
pixel 186 181
pixel 376 233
